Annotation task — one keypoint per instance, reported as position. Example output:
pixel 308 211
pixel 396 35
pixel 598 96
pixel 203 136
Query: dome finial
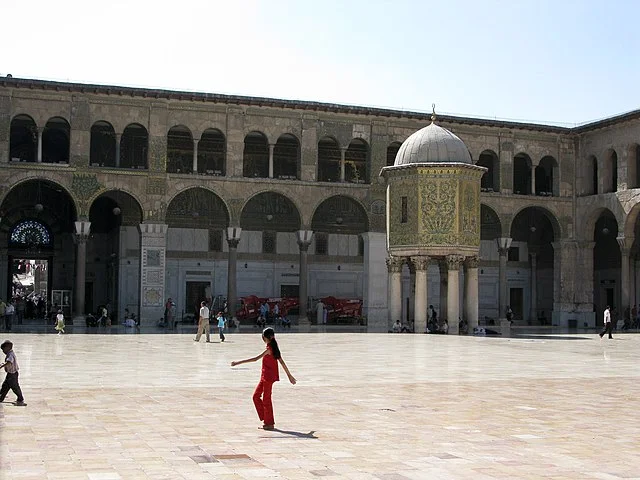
pixel 433 112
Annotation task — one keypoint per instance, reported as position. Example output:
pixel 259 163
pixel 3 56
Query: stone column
pixel 503 250
pixel 533 179
pixel 471 291
pixel 584 283
pixel 39 157
pixel 394 267
pixel 118 140
pixel 374 302
pixel 304 240
pixel 83 229
pixel 233 239
pixel 443 267
pixel 625 281
pixel 453 292
pixel 421 263
pixel 343 152
pixel 153 249
pixel 194 168
pixel 271 148
pixel 533 307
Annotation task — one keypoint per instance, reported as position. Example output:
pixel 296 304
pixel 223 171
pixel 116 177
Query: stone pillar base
pixel 505 327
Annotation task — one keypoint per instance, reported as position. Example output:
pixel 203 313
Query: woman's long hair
pixel 270 335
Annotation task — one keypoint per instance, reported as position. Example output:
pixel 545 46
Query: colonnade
pixel 153 268
pixel 449 274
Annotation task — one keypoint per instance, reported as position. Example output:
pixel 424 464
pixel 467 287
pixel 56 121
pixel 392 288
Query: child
pixel 221 325
pixel 11 381
pixel 60 322
pixel 270 358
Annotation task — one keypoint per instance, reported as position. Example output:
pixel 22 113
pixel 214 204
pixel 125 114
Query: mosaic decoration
pixel 32 233
pixel 84 185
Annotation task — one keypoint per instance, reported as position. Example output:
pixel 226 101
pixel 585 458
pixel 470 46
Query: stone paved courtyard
pixel 366 406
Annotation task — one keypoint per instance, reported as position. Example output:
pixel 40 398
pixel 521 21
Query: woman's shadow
pixel 296 434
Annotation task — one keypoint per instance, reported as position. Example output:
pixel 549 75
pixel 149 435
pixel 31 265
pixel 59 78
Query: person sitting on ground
pixel 261 321
pixel 407 327
pixel 397 327
pixel 286 322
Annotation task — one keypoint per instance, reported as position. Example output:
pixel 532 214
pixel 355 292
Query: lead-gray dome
pixel 433 144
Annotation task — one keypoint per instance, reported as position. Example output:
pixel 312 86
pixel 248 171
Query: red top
pixel 269 367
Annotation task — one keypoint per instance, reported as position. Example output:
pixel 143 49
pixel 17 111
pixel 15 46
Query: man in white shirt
pixel 8 314
pixel 203 322
pixel 608 325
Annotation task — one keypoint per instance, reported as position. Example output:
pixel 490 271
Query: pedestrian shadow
pixel 296 434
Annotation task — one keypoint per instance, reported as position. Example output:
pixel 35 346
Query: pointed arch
pixel 212 153
pixel 490 181
pixel 356 160
pixel 23 139
pixel 286 157
pixel 340 214
pixel 56 141
pixel 329 158
pixel 255 156
pixel 134 147
pixel 179 150
pixel 102 151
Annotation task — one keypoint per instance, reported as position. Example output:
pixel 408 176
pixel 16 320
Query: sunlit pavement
pixel 366 406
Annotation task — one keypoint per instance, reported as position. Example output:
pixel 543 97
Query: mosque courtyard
pixel 366 406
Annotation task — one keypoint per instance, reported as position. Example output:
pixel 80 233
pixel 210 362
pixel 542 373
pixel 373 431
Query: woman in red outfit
pixel 262 395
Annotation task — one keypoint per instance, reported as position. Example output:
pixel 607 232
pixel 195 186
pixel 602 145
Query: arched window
pixel 490 181
pixel 23 143
pixel 392 151
pixel 286 155
pixel 179 150
pixel 211 152
pixel 102 152
pixel 29 234
pixel 356 162
pixel 611 173
pixel 255 158
pixel 328 160
pixel 55 141
pixel 545 185
pixel 134 146
pixel 522 174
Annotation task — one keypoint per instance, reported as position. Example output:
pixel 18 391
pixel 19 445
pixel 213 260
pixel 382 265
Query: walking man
pixel 203 322
pixel 608 326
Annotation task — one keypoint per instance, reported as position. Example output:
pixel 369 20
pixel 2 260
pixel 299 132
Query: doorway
pixel 515 302
pixel 196 293
pixel 29 280
pixel 290 291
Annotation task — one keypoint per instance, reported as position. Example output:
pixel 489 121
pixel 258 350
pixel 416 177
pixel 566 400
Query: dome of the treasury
pixel 433 144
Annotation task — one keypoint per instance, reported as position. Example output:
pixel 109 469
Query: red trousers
pixel 262 401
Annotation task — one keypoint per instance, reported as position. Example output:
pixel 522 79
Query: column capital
pixel 394 264
pixel 82 231
pixel 625 244
pixel 504 243
pixel 472 262
pixel 420 262
pixel 233 236
pixel 454 261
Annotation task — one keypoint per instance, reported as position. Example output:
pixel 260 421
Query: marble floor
pixel 366 406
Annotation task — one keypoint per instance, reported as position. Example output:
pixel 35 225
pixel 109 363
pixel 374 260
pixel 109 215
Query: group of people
pixel 203 323
pixel 272 316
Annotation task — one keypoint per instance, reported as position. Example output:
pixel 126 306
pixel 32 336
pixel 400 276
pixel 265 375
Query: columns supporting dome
pixel 458 295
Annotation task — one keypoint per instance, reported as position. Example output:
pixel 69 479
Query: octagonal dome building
pixel 433 215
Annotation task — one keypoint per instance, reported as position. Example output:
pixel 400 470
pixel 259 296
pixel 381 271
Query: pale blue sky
pixel 563 61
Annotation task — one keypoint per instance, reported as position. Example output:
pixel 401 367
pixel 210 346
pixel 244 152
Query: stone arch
pixel 56 138
pixel 179 150
pixel 490 224
pixel 114 208
pixel 102 151
pixel 212 152
pixel 544 214
pixel 522 171
pixel 270 210
pixel 630 221
pixel 134 147
pixel 286 157
pixel 392 151
pixel 23 139
pixel 356 160
pixel 546 177
pixel 340 214
pixel 255 156
pixel 41 198
pixel 329 157
pixel 197 207
pixel 490 181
